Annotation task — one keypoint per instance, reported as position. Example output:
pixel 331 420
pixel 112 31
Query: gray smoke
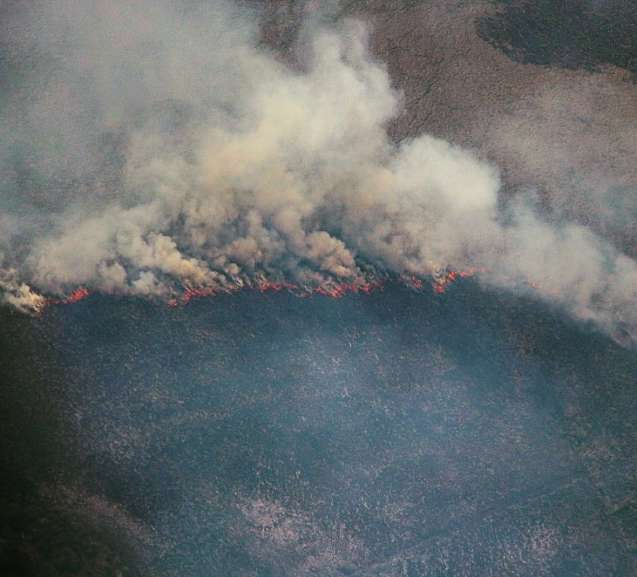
pixel 149 147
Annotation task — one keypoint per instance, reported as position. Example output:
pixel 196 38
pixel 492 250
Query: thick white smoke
pixel 152 146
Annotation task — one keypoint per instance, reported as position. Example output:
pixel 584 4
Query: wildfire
pixel 339 290
pixel 191 293
pixel 77 295
pixel 443 280
pixel 335 290
pixel 263 285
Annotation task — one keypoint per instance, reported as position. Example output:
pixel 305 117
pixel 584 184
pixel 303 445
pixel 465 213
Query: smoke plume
pixel 152 147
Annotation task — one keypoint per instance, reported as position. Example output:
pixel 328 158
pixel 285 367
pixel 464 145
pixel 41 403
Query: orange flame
pixel 331 289
pixel 440 284
pixel 77 295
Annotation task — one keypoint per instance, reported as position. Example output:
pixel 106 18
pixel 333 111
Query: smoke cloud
pixel 152 147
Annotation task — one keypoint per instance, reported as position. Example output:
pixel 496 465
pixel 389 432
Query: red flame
pixel 191 293
pixel 413 282
pixel 441 283
pixel 76 296
pixel 339 290
pixel 330 289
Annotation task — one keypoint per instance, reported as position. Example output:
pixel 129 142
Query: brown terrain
pixel 568 134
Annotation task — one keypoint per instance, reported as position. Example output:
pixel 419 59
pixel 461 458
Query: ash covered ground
pixel 401 433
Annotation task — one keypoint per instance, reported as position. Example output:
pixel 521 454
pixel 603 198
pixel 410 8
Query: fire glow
pixel 335 290
pixel 331 290
pixel 75 296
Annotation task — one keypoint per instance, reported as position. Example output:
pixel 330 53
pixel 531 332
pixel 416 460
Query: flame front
pixel 331 289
